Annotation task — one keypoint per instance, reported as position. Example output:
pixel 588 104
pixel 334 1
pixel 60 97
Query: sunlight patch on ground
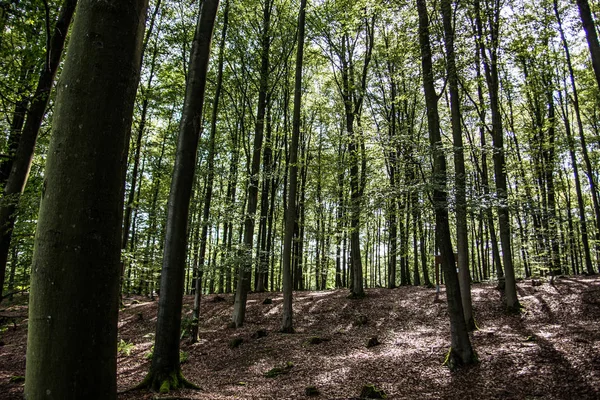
pixel 330 377
pixel 274 310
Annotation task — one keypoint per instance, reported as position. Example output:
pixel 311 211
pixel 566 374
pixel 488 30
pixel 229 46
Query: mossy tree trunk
pixel 73 306
pixel 165 371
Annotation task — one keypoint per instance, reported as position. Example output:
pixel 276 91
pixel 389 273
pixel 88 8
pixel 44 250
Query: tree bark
pixel 290 212
pixel 462 237
pixel 72 350
pixel 591 35
pixel 245 271
pixel 461 351
pixel 490 65
pixel 210 178
pixel 24 154
pixel 165 371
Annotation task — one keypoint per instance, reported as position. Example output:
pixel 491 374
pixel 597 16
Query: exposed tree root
pixel 165 382
pixel 454 360
pixel 515 310
pixel 355 296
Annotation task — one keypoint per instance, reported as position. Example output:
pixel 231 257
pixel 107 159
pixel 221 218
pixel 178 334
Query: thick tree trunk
pixel 71 350
pixel 24 154
pixel 165 371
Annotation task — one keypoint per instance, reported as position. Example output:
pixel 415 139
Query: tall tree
pixel 72 350
pixel 461 351
pixel 245 270
pixel 210 175
pixel 464 275
pixel 21 164
pixel 165 371
pixel 290 212
pixel 591 34
pixel 489 57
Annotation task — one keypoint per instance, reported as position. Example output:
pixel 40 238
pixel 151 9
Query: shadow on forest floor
pixel 550 351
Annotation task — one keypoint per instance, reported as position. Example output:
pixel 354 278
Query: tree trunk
pixel 245 271
pixel 165 371
pixel 464 276
pixel 24 154
pixel 210 178
pixel 290 212
pixel 72 350
pixel 129 205
pixel 490 65
pixel 461 351
pixel 589 25
pixel 587 21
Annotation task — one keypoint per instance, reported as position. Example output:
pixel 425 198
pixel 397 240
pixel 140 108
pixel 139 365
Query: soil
pixel 550 351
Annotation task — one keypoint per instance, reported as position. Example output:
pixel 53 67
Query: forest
pixel 198 186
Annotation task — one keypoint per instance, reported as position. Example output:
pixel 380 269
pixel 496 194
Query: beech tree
pixel 461 351
pixel 290 212
pixel 165 371
pixel 20 164
pixel 71 350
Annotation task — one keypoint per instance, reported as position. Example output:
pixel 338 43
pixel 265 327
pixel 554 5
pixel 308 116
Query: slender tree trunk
pixel 210 178
pixel 592 36
pixel 589 26
pixel 490 65
pixel 130 203
pixel 578 191
pixel 461 351
pixel 165 371
pixel 459 168
pixel 21 164
pixel 245 271
pixel 72 350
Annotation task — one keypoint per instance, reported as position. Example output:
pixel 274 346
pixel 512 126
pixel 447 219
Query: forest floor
pixel 550 351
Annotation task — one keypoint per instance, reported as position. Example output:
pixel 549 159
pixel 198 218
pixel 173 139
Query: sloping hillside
pixel 550 351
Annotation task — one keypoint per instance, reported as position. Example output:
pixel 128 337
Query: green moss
pixel 17 379
pixel 371 392
pixel 276 371
pixel 165 387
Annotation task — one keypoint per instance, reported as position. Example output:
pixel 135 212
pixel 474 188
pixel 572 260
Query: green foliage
pixel 183 356
pixel 371 392
pixel 125 348
pixel 17 379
